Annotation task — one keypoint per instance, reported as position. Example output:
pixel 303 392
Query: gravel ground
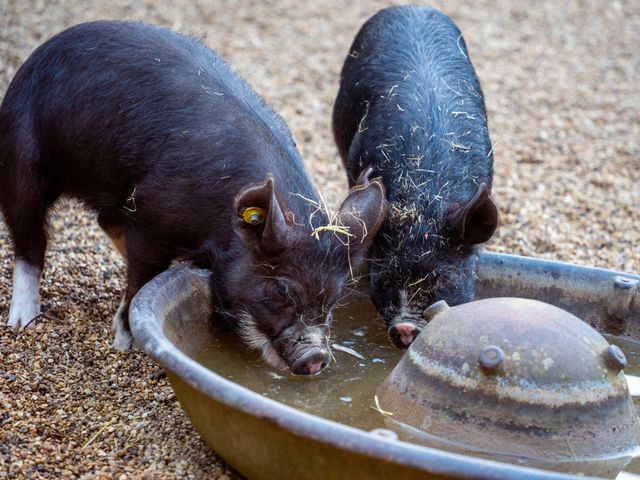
pixel 564 118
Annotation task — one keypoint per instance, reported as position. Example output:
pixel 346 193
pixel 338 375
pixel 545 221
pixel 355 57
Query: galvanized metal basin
pixel 264 439
pixel 515 379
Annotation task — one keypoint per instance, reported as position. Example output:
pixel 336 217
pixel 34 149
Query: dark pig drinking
pixel 410 110
pixel 178 158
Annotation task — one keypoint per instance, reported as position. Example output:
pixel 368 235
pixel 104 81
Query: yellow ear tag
pixel 253 215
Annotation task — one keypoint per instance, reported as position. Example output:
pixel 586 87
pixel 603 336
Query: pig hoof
pixel 403 334
pixel 123 340
pixel 23 313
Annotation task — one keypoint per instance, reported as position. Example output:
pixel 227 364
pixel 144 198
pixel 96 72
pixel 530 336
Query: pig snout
pixel 305 353
pixel 404 333
pixel 404 330
pixel 311 362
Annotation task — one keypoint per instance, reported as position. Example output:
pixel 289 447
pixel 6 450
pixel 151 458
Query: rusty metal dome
pixel 516 379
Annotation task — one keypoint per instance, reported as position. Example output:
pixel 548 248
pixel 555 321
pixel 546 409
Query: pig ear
pixel 475 221
pixel 363 212
pixel 262 221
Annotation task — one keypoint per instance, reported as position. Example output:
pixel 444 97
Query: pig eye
pixel 287 291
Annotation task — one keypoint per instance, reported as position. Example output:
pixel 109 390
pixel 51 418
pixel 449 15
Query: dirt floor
pixel 560 80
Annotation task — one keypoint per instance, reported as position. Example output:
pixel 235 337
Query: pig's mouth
pixel 306 356
pixel 308 360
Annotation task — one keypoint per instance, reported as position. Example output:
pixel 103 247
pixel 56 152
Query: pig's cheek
pixel 389 313
pixel 273 358
pixel 381 299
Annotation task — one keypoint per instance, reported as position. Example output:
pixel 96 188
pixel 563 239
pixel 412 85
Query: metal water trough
pixel 264 439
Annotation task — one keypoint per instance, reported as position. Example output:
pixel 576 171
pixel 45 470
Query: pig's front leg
pixel 122 338
pixel 145 262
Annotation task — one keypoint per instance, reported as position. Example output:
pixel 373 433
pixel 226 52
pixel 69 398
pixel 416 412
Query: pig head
pixel 424 254
pixel 277 289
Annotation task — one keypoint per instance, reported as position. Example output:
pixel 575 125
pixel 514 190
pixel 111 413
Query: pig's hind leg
pixel 25 198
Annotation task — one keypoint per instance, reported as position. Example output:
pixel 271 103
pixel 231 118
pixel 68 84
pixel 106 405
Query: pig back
pixel 410 101
pixel 118 106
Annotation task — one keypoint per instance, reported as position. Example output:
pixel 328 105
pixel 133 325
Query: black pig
pixel 179 158
pixel 410 110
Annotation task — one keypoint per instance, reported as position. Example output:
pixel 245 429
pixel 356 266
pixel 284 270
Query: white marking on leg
pixel 122 336
pixel 25 301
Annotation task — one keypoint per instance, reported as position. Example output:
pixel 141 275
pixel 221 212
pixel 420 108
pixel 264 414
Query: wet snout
pixel 305 349
pixel 403 334
pixel 311 362
pixel 407 325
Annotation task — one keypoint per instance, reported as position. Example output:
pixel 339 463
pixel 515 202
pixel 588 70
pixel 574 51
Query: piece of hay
pixel 378 408
pixel 331 228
